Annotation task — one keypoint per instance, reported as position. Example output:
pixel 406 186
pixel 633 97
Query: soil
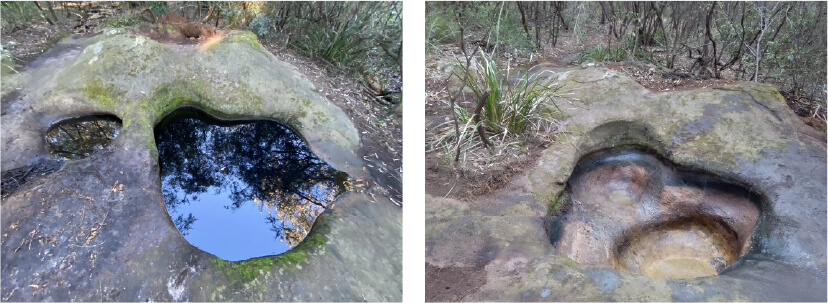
pixel 29 42
pixel 465 185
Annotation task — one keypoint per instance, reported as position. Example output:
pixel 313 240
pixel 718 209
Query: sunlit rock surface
pixel 96 228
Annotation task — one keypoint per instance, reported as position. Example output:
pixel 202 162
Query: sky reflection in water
pixel 241 189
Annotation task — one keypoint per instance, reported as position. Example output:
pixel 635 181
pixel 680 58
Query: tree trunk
pixel 559 7
pixel 523 19
pixel 51 11
pixel 43 13
pixel 709 34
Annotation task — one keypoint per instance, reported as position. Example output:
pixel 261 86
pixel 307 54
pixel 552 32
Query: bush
pixel 601 53
pixel 16 15
pixel 513 109
pixel 261 26
pixel 125 20
pixel 358 36
pixel 494 23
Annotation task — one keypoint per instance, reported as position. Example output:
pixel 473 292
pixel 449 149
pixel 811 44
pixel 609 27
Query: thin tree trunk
pixel 709 34
pixel 51 11
pixel 43 12
pixel 481 129
pixel 523 19
pixel 559 7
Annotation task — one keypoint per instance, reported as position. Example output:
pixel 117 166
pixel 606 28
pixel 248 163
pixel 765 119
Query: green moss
pixel 127 123
pixel 102 93
pixel 151 143
pixel 7 65
pixel 569 262
pixel 558 203
pixel 241 37
pixel 170 96
pixel 243 272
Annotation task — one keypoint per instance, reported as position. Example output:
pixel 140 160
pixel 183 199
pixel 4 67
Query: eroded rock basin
pixel 241 189
pixel 631 210
pixel 77 138
pixel 96 228
pixel 497 247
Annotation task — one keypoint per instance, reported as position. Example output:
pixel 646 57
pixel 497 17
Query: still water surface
pixel 78 138
pixel 241 189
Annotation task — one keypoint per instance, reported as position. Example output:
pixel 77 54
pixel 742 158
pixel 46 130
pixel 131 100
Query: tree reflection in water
pixel 260 162
pixel 79 137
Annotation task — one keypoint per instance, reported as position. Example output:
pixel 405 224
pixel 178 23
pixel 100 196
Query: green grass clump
pixel 601 53
pixel 121 21
pixel 16 15
pixel 338 45
pixel 513 110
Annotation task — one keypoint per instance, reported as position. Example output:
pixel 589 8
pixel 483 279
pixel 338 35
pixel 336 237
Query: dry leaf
pixel 92 235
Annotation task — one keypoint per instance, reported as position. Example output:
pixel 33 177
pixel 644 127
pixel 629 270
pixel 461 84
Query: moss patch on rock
pixel 242 272
pixel 246 37
pixel 558 203
pixel 102 93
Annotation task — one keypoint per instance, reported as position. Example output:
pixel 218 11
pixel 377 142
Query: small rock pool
pixel 241 189
pixel 78 138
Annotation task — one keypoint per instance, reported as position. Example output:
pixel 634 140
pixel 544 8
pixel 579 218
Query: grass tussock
pixel 504 113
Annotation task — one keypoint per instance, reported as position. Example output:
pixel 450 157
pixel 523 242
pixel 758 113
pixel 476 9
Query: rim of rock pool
pixel 654 217
pixel 218 120
pixel 106 136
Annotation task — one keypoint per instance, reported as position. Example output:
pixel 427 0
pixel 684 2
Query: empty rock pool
pixel 241 189
pixel 78 138
pixel 634 211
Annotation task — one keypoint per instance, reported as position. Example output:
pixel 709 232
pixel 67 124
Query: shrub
pixel 513 108
pixel 15 15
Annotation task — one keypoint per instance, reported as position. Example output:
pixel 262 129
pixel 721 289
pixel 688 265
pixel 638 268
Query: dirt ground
pixel 380 125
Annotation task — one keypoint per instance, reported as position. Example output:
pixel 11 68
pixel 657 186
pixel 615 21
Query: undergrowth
pixel 16 15
pixel 125 20
pixel 513 109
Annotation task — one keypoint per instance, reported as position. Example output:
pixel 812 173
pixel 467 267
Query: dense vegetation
pixel 360 38
pixel 782 43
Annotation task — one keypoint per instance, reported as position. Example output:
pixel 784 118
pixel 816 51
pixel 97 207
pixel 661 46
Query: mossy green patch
pixel 102 93
pixel 241 37
pixel 7 65
pixel 569 262
pixel 151 143
pixel 558 203
pixel 243 272
pixel 170 96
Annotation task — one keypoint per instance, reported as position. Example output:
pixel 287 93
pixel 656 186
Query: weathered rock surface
pixel 744 134
pixel 97 229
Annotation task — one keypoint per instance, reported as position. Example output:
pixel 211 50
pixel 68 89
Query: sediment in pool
pixel 630 209
pixel 78 138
